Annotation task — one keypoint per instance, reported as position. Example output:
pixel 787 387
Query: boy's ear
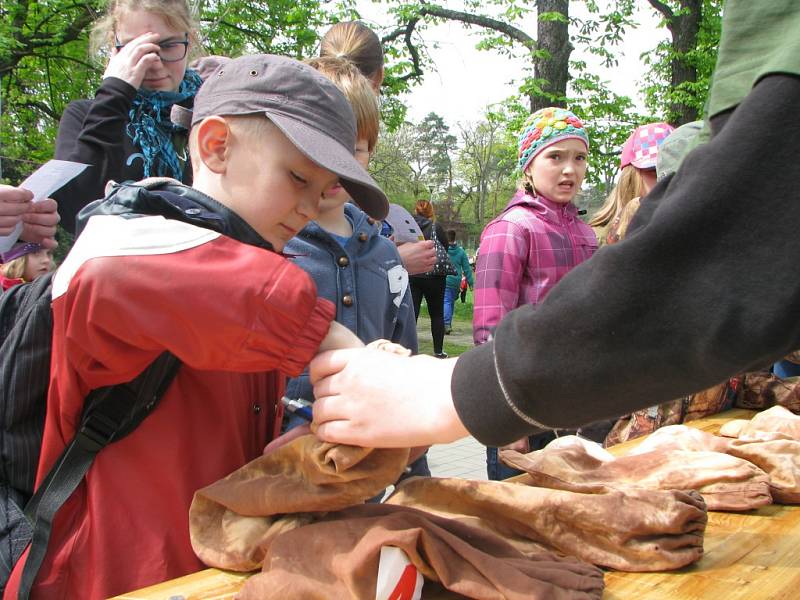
pixel 213 143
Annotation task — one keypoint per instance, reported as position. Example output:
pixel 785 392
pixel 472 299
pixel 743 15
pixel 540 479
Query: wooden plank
pixel 211 584
pixel 748 556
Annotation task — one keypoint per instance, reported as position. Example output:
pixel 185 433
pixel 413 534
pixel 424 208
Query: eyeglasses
pixel 168 51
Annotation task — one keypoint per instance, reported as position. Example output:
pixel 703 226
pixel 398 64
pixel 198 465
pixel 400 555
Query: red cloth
pixel 8 282
pixel 126 526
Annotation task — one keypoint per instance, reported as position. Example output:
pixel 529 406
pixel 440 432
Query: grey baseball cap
pixel 305 105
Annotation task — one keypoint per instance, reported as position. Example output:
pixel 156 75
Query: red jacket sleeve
pixel 220 305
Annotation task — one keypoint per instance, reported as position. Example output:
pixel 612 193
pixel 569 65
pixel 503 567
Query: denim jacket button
pixel 362 237
pixel 343 261
pixel 347 300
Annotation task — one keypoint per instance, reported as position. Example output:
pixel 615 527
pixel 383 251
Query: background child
pixel 355 267
pixel 453 285
pixel 354 41
pixel 637 178
pixel 24 262
pixel 172 280
pixel 537 238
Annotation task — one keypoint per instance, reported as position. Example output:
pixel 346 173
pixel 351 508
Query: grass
pixel 459 341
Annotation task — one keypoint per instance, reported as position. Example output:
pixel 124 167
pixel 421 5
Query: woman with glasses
pixel 125 132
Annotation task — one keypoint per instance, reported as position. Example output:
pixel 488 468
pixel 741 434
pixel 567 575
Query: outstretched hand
pixel 376 399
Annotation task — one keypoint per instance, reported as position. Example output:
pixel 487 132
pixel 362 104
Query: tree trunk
pixel 684 39
pixel 552 72
pixel 684 28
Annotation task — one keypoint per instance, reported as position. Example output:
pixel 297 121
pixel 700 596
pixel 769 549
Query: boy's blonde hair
pixel 176 13
pixel 629 186
pixel 355 42
pixel 356 88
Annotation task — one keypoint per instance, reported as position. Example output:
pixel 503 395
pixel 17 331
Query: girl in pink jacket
pixel 538 237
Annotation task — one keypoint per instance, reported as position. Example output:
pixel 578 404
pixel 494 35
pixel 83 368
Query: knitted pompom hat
pixel 548 126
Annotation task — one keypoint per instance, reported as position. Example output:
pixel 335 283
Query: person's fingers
pixel 47 205
pixel 14 195
pixel 287 437
pixel 329 363
pixel 49 243
pixel 144 63
pixel 340 432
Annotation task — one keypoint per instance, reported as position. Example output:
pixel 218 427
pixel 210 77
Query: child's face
pixel 336 196
pixel 37 264
pixel 558 170
pixel 272 185
pixel 161 76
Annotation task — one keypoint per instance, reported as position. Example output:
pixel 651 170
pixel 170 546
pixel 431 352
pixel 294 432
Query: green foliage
pixel 43 65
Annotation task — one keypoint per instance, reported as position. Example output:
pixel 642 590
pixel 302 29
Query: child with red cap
pixel 637 178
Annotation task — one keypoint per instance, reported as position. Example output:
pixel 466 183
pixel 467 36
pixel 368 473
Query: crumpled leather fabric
pixel 695 406
pixel 572 463
pixel 337 557
pixel 766 442
pixel 629 530
pixel 761 389
pixel 232 520
pixel 764 425
pixel 288 512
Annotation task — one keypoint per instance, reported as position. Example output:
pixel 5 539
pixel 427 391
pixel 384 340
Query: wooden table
pixel 748 556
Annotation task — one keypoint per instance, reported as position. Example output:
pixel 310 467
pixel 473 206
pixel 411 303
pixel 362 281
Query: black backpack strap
pixel 109 414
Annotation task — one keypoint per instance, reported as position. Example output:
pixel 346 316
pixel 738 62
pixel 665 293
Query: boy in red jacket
pixel 197 272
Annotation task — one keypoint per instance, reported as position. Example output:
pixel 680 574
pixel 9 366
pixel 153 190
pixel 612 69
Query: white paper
pixel 397 577
pixel 404 225
pixel 51 176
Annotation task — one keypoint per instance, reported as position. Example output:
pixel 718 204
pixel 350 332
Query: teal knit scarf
pixel 151 130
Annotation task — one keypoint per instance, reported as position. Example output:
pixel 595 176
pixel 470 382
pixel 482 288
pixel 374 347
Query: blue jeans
pixel 782 369
pixel 450 295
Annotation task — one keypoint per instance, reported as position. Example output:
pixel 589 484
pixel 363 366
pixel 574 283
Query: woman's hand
pixel 378 399
pixel 131 62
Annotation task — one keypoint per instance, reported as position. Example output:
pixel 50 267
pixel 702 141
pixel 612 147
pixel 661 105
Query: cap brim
pixel 644 163
pixel 331 155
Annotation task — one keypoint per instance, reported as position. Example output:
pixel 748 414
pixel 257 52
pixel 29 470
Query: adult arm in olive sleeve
pixel 706 285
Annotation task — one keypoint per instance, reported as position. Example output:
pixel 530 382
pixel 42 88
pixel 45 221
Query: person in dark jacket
pixel 453 284
pixel 430 285
pixel 125 132
pixel 709 287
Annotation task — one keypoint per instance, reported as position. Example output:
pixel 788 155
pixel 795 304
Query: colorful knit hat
pixel 548 126
pixel 18 250
pixel 641 148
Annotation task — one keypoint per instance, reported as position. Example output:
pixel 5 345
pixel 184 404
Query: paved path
pixel 465 458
